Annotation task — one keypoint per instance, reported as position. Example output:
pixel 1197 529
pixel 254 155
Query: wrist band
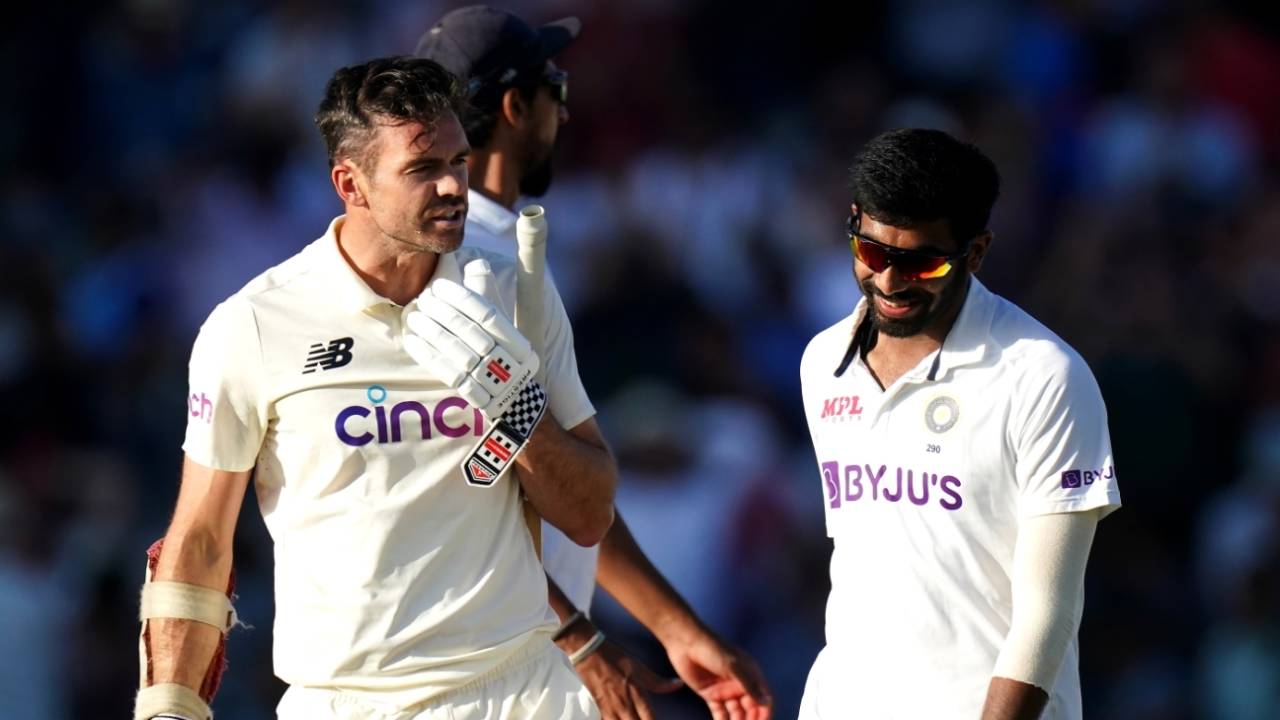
pixel 585 651
pixel 568 623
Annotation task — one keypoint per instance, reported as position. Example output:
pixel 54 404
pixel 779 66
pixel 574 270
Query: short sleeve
pixel 1063 452
pixel 568 398
pixel 226 416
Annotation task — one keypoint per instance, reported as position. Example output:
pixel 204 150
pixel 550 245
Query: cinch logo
pixel 1077 478
pixel 842 407
pixel 327 358
pixel 388 426
pixel 849 483
pixel 200 406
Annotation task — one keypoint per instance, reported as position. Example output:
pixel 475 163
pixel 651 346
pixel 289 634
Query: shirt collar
pixel 489 215
pixel 346 288
pixel 965 344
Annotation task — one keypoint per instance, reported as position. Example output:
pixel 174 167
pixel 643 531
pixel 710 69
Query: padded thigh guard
pixel 180 601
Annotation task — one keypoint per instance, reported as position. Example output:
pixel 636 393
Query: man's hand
pixel 724 676
pixel 468 344
pixel 616 680
pixel 620 683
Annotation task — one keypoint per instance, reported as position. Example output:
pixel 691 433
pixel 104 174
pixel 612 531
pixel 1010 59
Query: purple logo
pixel 851 483
pixel 831 478
pixel 353 427
pixel 200 406
pixel 1077 478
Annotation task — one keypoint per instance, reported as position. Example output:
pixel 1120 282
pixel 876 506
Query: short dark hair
pixel 485 102
pixel 400 89
pixel 907 177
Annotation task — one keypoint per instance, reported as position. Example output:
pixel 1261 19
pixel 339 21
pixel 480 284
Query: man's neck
pixel 493 174
pixel 391 269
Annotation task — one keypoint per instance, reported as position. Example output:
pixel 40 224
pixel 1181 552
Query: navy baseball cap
pixel 487 47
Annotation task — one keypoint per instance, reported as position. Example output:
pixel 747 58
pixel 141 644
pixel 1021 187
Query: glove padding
pixel 467 343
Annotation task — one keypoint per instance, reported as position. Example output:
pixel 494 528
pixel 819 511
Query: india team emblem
pixel 941 414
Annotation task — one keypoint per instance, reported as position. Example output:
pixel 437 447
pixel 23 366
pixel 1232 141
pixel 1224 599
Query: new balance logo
pixel 337 354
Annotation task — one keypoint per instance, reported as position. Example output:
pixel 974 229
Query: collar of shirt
pixel 347 290
pixel 966 343
pixel 489 215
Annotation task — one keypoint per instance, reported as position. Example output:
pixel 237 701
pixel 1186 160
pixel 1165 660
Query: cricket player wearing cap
pixel 391 417
pixel 518 100
pixel 965 461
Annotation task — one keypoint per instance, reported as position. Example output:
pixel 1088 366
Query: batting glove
pixel 466 342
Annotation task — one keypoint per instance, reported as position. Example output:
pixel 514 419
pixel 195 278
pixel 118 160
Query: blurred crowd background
pixel 157 154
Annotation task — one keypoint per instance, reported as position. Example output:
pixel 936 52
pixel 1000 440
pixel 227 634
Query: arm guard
pixel 180 601
pixel 1048 595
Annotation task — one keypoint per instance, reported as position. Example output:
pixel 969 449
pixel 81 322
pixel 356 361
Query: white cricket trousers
pixel 537 683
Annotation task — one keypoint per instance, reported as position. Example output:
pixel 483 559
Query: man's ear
pixel 515 109
pixel 349 181
pixel 978 250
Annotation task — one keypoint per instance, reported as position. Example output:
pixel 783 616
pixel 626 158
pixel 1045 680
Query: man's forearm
pixel 1013 700
pixel 626 573
pixel 181 650
pixel 570 477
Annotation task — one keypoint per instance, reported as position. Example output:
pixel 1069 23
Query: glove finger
pixel 445 343
pixel 477 276
pixel 474 393
pixel 485 314
pixel 463 327
pixel 425 355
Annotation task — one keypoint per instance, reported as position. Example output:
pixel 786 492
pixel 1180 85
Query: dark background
pixel 157 154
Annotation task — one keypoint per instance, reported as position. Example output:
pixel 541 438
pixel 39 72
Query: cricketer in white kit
pixel 355 381
pixel 964 460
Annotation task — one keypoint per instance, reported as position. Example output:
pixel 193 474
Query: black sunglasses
pixel 913 265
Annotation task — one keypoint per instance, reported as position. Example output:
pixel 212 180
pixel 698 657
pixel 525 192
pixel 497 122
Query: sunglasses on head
pixel 912 265
pixel 558 81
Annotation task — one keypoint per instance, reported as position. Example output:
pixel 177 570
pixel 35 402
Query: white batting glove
pixel 468 344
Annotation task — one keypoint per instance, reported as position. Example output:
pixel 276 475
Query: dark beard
pixel 942 303
pixel 537 180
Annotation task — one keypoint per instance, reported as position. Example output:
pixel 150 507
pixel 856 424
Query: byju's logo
pixel 1072 479
pixel 847 484
pixel 831 478
pixel 353 427
pixel 337 354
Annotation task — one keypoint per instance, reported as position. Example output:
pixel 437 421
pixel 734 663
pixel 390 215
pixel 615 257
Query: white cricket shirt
pixel 392 575
pixel 492 227
pixel 924 484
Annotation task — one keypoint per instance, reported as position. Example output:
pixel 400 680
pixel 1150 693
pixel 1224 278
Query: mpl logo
pixel 841 408
pixel 353 427
pixel 200 406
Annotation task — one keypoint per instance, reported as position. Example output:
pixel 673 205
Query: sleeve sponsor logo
pixel 1072 479
pixel 200 406
pixel 868 483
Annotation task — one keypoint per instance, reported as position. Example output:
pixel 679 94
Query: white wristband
pixel 170 699
pixel 585 651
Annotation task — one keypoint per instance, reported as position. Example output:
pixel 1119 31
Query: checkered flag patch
pixel 493 454
pixel 527 410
